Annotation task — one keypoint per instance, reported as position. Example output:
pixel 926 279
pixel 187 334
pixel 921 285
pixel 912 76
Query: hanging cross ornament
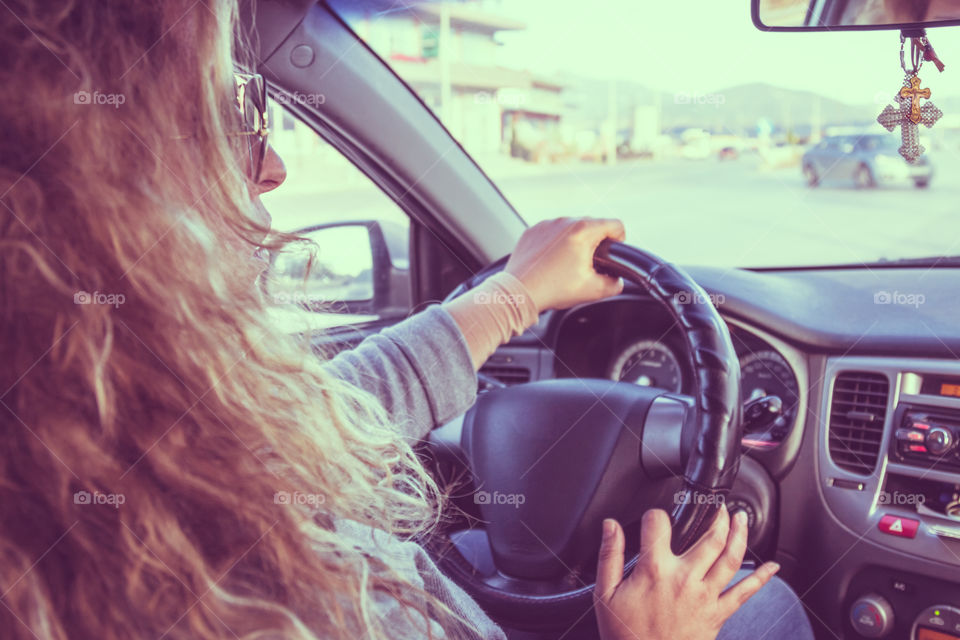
pixel 909 116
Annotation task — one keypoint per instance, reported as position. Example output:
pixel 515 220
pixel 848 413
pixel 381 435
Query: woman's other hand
pixel 669 597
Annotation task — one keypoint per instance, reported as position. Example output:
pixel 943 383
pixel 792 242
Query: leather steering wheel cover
pixel 715 459
pixel 713 462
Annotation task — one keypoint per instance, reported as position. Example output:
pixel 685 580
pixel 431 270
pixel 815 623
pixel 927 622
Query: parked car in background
pixel 867 160
pixel 728 153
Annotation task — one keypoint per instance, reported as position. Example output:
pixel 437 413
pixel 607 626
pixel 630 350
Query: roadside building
pixel 449 54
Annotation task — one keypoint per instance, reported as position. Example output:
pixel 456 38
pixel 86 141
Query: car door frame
pixel 378 122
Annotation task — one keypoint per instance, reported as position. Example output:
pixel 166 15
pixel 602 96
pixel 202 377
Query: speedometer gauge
pixel 766 373
pixel 648 363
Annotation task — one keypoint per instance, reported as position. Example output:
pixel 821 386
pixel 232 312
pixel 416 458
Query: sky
pixel 709 45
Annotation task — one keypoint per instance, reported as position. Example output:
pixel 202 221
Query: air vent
pixel 507 375
pixel 857 414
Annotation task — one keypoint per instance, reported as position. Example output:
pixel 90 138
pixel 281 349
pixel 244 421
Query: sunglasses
pixel 251 97
pixel 251 102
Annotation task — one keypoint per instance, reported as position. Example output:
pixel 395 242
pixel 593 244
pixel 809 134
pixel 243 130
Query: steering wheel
pixel 550 459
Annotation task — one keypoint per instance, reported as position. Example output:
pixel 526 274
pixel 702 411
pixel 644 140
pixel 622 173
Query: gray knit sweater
pixel 421 371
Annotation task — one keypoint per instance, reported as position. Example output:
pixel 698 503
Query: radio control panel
pixel 927 437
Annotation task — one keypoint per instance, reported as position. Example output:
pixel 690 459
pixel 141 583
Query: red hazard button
pixel 897 526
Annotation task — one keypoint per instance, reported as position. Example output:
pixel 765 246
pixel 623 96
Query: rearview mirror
pixel 852 15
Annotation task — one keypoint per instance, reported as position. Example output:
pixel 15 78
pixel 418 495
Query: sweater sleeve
pixel 419 369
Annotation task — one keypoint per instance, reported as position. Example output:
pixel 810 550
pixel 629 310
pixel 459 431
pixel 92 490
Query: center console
pixel 889 468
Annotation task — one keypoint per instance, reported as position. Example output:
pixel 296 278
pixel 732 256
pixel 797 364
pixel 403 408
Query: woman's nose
pixel 272 174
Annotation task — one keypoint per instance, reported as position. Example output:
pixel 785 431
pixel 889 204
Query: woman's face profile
pixel 272 175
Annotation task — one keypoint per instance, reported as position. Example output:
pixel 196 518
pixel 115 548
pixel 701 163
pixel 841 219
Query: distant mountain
pixel 741 108
pixel 948 104
pixel 737 109
pixel 588 98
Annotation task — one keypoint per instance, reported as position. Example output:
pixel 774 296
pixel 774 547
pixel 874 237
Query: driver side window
pixel 360 269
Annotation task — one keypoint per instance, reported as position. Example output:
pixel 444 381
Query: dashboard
pixel 855 488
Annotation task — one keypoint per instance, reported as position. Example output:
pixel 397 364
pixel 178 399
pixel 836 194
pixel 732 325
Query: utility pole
pixel 443 54
pixel 611 137
pixel 815 121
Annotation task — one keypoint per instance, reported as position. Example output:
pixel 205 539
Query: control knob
pixel 939 441
pixel 872 616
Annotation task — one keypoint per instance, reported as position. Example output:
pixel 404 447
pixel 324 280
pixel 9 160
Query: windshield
pixel 715 143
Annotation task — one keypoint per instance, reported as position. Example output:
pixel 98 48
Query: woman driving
pixel 155 423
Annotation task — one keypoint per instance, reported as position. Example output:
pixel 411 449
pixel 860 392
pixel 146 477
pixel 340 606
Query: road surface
pixel 732 213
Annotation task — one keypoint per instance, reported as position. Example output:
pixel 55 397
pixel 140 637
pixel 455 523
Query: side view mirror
pixel 358 268
pixel 853 15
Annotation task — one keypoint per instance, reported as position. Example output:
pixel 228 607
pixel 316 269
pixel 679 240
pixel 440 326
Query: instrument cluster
pixel 656 363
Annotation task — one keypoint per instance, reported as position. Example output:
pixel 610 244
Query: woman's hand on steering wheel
pixel 673 597
pixel 554 260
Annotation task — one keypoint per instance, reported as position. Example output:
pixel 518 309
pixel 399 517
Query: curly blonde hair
pixel 150 416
